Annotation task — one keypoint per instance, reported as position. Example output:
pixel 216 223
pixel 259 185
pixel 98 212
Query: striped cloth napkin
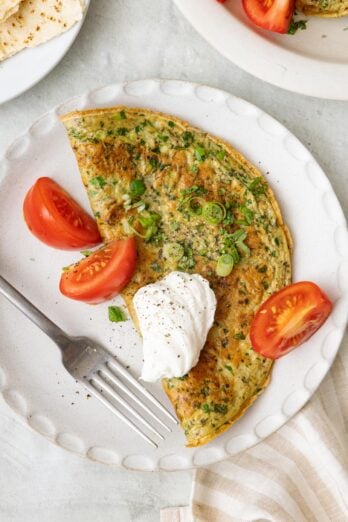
pixel 298 474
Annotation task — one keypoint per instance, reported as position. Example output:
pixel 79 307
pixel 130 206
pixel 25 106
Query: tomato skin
pixel 55 218
pixel 273 15
pixel 103 274
pixel 289 318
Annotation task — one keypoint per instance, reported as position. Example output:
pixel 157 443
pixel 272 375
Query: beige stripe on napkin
pixel 298 474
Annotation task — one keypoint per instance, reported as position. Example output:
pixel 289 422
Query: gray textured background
pixel 128 40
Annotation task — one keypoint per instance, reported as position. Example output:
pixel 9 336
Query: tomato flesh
pixel 55 218
pixel 288 318
pixel 274 15
pixel 102 275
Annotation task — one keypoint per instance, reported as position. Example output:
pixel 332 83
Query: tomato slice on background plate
pixel 103 274
pixel 288 318
pixel 55 218
pixel 274 15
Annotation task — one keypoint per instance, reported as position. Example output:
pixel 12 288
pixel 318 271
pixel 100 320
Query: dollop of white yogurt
pixel 175 315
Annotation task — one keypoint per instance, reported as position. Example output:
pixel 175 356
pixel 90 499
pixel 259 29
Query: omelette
pixel 325 8
pixel 182 170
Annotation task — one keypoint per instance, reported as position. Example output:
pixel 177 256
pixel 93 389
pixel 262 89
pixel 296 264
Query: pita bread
pixel 36 22
pixel 8 8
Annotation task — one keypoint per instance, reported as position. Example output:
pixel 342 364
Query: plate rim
pixel 175 87
pixel 302 75
pixel 73 32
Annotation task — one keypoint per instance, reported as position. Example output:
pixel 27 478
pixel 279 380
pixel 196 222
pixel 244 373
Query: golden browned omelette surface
pixel 180 170
pixel 326 8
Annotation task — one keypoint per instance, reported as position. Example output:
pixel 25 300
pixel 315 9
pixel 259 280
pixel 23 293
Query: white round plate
pixel 312 62
pixel 26 68
pixel 32 379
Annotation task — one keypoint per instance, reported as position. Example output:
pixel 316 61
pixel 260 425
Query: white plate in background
pixel 32 379
pixel 312 62
pixel 26 68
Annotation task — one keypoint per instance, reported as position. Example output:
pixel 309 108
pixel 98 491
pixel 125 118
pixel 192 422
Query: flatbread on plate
pixel 8 8
pixel 36 22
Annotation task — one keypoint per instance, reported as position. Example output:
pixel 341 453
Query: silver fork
pixel 98 371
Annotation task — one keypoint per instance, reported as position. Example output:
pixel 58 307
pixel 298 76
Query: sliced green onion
pixel 173 251
pixel 127 202
pixel 147 219
pixel 238 235
pixel 137 187
pixel 129 230
pixel 98 181
pixel 195 189
pixel 186 262
pixel 248 214
pixel 150 232
pixel 195 205
pixel 224 265
pixel 116 314
pixel 229 219
pixel 214 213
pixel 137 204
pixel 234 253
pixel 86 253
pixel 243 247
pixel 200 153
pixel 126 227
pixel 257 186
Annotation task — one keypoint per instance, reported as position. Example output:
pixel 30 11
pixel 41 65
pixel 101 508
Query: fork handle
pixel 27 308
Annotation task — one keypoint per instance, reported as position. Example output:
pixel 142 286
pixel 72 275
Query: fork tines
pixel 105 384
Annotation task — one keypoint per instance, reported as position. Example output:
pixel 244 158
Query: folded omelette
pixel 181 166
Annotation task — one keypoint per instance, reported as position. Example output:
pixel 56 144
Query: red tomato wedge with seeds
pixel 103 274
pixel 288 318
pixel 274 15
pixel 55 218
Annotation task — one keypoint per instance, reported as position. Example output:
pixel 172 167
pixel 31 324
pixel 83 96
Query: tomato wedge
pixel 288 318
pixel 102 275
pixel 274 15
pixel 55 218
